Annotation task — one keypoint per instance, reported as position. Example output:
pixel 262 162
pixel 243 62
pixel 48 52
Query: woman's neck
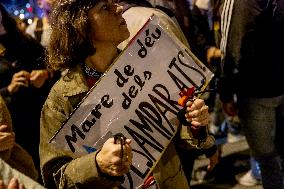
pixel 103 57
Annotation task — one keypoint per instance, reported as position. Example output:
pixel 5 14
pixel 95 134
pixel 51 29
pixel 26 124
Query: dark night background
pixel 27 7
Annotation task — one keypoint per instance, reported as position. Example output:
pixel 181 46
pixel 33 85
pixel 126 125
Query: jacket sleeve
pixel 200 140
pixel 5 119
pixel 60 169
pixel 5 94
pixel 16 157
pixel 243 25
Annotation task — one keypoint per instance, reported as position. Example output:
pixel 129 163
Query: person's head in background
pixel 84 28
pixel 22 25
pixel 8 23
pixel 46 6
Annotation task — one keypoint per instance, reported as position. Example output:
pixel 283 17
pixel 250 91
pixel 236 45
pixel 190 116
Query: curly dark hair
pixel 69 41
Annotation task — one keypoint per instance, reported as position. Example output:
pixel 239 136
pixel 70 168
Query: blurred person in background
pixel 11 152
pixel 253 64
pixel 24 82
pixel 40 28
pixel 22 25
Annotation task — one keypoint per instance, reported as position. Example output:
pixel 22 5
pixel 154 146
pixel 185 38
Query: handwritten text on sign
pixel 137 97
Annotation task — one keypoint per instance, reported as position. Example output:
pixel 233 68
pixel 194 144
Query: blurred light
pixel 22 16
pixel 22 11
pixel 28 5
pixel 30 21
pixel 30 9
pixel 16 12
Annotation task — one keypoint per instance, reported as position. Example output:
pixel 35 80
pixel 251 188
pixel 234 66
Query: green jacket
pixel 62 169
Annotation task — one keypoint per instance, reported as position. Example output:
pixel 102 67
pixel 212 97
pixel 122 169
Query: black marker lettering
pixel 120 81
pixel 126 102
pixel 106 101
pixel 69 139
pixel 143 51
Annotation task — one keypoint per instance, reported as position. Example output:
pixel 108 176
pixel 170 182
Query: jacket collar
pixel 74 82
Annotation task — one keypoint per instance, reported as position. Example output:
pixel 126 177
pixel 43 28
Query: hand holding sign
pixel 197 113
pixel 109 160
pixel 195 116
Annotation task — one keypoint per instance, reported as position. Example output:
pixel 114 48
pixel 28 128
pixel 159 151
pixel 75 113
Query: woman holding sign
pixel 84 39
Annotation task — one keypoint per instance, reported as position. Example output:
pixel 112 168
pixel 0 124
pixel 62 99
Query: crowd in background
pixel 240 41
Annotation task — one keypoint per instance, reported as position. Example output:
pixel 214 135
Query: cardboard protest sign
pixel 7 173
pixel 138 97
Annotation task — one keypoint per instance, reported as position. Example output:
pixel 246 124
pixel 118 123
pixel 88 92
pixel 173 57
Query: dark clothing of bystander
pixel 253 70
pixel 24 105
pixel 254 55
